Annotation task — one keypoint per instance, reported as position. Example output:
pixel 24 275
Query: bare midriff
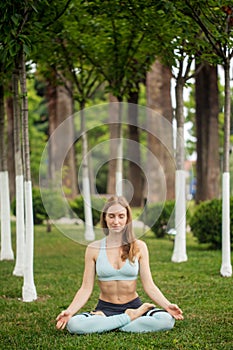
pixel 118 292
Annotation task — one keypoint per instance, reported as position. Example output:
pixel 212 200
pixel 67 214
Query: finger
pixel 60 316
pixel 179 317
pixel 59 325
pixel 63 313
pixel 64 325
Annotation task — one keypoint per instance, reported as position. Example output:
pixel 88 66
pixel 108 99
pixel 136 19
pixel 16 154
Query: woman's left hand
pixel 175 311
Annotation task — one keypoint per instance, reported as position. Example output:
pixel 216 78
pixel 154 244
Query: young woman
pixel 117 260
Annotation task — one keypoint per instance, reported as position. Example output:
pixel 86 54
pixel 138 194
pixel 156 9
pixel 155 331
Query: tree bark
pixel 65 110
pixel 207 110
pixel 29 289
pixel 89 231
pixel 19 181
pixel 159 100
pixel 113 118
pixel 6 244
pixel 136 177
pixel 10 148
pixel 226 267
pixel 60 107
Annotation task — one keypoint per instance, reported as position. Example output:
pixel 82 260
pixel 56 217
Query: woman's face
pixel 116 218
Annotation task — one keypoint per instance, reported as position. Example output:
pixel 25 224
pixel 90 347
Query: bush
pixel 157 217
pixel 77 205
pixel 206 222
pixel 39 211
pixel 53 201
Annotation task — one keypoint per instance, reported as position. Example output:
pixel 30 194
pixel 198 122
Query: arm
pixel 149 286
pixel 83 294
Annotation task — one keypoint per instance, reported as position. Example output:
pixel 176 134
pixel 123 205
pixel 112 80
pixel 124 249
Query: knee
pixel 74 324
pixel 166 320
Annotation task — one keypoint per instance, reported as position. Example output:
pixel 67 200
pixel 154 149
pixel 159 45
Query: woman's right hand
pixel 62 319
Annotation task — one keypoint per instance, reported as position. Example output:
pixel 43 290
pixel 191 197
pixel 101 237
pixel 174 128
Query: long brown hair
pixel 129 246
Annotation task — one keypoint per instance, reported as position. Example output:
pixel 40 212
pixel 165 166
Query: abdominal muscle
pixel 118 292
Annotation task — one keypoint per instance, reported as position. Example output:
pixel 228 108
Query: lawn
pixel 196 286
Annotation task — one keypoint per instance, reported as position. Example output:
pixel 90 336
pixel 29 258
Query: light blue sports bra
pixel 106 272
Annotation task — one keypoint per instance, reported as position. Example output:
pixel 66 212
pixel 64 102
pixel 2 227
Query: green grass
pixel 196 286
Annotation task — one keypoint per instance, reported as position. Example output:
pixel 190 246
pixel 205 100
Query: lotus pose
pixel 117 260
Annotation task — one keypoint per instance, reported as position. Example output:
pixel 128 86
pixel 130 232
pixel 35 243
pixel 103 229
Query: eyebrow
pixel 116 213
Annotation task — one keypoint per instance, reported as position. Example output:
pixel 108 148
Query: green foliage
pixel 77 205
pixel 39 211
pixel 55 205
pixel 53 201
pixel 158 216
pixel 206 222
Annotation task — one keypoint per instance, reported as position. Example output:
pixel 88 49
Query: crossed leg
pixel 97 322
pixel 155 320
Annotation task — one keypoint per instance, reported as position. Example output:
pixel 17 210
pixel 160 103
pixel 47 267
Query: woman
pixel 117 260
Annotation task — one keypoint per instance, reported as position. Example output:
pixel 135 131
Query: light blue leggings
pixel 152 322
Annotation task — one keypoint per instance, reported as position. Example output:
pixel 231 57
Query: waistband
pixel 110 309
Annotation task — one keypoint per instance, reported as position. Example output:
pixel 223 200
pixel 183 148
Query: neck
pixel 114 239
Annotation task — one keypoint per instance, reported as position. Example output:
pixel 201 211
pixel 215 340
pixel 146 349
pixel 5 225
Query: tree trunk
pixel 135 173
pixel 159 101
pixel 6 245
pixel 89 232
pixel 51 96
pixel 10 148
pixel 19 182
pixel 207 110
pixel 179 252
pixel 65 110
pixel 60 107
pixel 113 119
pixel 29 289
pixel 226 267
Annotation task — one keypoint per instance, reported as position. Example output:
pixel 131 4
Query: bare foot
pixel 99 313
pixel 135 313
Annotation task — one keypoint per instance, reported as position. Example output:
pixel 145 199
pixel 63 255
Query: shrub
pixel 77 205
pixel 53 201
pixel 206 222
pixel 55 204
pixel 157 216
pixel 39 211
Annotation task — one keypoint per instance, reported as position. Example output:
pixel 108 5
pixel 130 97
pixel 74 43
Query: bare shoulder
pixel 93 249
pixel 142 246
pixel 94 245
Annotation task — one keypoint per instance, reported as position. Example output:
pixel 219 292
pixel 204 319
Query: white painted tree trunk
pixel 89 231
pixel 119 171
pixel 119 161
pixel 20 227
pixel 29 289
pixel 179 253
pixel 6 247
pixel 226 268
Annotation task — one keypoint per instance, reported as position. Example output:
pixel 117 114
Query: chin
pixel 118 230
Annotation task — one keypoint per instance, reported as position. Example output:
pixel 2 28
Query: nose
pixel 116 219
